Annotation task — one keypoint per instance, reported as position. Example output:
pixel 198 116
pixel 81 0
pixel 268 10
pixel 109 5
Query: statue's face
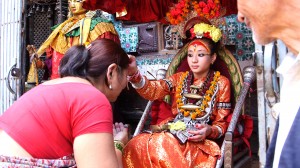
pixel 76 7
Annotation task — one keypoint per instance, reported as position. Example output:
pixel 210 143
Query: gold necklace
pixel 203 103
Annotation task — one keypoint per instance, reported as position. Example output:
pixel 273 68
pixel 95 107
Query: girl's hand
pixel 199 135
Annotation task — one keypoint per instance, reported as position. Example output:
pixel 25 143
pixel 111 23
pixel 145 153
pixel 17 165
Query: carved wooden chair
pixel 229 67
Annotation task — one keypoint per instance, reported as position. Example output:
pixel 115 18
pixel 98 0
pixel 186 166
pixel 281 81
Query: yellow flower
pixel 179 125
pixel 216 34
pixel 202 28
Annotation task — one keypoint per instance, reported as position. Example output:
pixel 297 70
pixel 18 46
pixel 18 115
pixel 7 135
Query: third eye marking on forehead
pixel 193 50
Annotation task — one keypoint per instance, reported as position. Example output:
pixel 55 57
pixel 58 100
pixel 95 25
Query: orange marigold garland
pixel 209 9
pixel 178 13
pixel 206 98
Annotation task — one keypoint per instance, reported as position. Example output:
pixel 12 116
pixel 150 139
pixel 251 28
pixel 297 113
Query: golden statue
pixel 81 28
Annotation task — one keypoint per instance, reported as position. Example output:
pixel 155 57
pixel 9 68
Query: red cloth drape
pixel 230 6
pixel 110 6
pixel 137 10
pixel 145 10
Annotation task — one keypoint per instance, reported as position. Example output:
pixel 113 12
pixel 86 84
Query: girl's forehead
pixel 197 47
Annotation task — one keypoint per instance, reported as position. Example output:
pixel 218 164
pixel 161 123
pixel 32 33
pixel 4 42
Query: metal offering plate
pixel 183 136
pixel 190 107
pixel 192 95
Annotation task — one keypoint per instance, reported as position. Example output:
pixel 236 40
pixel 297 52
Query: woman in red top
pixel 70 117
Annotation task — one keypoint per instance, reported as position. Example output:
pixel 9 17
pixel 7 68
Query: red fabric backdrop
pixel 230 6
pixel 110 6
pixel 145 10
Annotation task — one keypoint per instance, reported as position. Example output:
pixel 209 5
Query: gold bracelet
pixel 119 145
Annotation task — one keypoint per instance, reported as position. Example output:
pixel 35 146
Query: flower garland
pixel 203 102
pixel 205 30
pixel 209 9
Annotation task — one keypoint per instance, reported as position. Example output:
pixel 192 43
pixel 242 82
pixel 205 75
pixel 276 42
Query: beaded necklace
pixel 206 91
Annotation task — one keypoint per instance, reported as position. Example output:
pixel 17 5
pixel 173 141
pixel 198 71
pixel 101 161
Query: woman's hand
pixel 120 131
pixel 132 68
pixel 203 130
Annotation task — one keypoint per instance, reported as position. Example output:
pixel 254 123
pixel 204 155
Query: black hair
pixel 75 62
pixel 92 62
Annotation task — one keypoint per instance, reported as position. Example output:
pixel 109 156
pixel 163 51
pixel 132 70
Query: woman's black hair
pixel 92 62
pixel 75 62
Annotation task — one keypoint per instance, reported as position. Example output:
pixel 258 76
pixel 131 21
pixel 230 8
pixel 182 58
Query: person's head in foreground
pixel 272 19
pixel 104 63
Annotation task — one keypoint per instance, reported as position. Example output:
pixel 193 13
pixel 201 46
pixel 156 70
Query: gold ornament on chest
pixel 192 100
pixel 195 104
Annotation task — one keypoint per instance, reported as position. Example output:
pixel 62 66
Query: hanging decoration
pixel 41 6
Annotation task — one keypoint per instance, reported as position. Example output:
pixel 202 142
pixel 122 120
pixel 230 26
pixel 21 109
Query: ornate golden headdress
pixel 190 13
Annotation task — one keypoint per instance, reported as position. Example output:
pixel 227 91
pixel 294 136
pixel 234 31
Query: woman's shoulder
pixel 74 94
pixel 69 85
pixel 77 88
pixel 63 88
pixel 68 79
